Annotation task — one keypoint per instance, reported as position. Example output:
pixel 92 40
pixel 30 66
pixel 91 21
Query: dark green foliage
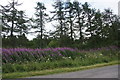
pixel 19 41
pixel 65 41
pixel 53 43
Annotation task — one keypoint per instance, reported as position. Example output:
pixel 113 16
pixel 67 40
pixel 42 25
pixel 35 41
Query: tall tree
pixel 59 16
pixel 70 17
pixel 89 14
pixel 79 18
pixel 41 17
pixel 108 19
pixel 13 19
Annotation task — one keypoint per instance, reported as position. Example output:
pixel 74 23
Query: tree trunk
pixel 71 26
pixel 41 25
pixel 61 28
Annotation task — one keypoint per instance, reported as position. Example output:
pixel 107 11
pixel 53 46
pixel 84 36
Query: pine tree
pixel 79 18
pixel 59 15
pixel 13 19
pixel 40 20
pixel 70 17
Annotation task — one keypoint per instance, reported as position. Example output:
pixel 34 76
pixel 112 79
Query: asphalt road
pixel 103 72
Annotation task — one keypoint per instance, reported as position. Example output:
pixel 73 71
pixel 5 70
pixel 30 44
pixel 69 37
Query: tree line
pixel 76 25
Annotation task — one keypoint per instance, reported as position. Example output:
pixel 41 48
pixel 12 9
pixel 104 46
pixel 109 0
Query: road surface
pixel 102 72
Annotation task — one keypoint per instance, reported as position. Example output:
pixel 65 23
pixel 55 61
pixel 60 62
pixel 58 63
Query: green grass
pixel 68 62
pixel 53 71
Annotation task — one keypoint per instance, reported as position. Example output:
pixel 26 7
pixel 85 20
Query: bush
pixel 53 44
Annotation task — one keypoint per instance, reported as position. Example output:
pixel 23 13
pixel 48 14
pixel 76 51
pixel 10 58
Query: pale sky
pixel 29 5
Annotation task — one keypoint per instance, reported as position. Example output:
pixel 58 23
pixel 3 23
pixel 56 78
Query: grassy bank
pixel 53 71
pixel 38 66
pixel 28 61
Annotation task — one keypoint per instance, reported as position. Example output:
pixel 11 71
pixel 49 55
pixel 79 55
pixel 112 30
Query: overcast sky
pixel 29 5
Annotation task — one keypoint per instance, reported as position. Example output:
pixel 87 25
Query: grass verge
pixel 57 70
